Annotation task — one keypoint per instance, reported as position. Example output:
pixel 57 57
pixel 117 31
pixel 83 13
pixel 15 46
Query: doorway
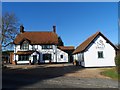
pixel 35 59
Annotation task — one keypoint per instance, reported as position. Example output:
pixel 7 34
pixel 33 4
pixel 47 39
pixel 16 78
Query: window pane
pixel 46 46
pixel 61 56
pixel 27 57
pixel 25 45
pixel 46 56
pixel 100 54
pixel 19 57
pixel 23 57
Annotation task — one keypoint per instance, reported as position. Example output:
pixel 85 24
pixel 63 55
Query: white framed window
pixel 47 57
pixel 25 45
pixel 100 54
pixel 46 46
pixel 23 58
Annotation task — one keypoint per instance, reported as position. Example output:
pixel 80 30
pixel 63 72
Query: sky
pixel 75 21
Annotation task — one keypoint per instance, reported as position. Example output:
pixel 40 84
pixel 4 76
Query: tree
pixel 117 59
pixel 60 42
pixel 9 29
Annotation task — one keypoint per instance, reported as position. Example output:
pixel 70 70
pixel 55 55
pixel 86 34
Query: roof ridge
pixel 46 37
pixel 85 43
pixel 88 41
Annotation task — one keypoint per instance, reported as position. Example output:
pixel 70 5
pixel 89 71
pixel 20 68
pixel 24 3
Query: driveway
pixel 55 76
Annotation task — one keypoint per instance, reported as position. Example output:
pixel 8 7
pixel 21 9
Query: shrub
pixel 117 61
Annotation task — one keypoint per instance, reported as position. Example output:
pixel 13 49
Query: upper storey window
pixel 100 54
pixel 25 45
pixel 46 46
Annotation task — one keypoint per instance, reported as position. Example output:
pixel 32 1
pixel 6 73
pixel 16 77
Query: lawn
pixel 112 73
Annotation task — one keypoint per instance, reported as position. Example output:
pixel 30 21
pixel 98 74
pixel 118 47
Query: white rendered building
pixel 38 47
pixel 96 51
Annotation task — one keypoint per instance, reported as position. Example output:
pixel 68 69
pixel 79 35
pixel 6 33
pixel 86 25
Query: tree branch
pixel 7 44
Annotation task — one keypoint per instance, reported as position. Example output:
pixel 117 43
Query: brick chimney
pixel 54 29
pixel 21 29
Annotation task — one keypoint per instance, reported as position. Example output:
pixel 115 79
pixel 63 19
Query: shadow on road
pixel 17 78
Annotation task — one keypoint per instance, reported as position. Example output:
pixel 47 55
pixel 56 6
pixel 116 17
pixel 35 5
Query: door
pixel 35 59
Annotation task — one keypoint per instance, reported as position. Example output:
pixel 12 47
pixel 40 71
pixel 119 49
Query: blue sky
pixel 75 22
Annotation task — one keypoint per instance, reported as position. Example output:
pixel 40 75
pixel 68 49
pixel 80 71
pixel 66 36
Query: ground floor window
pixel 61 56
pixel 100 54
pixel 23 58
pixel 46 56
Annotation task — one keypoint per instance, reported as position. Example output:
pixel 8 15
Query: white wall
pixel 55 54
pixel 80 58
pixel 22 62
pixel 91 55
pixel 65 56
pixel 75 57
pixel 39 49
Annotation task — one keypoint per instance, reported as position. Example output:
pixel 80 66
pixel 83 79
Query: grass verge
pixel 112 73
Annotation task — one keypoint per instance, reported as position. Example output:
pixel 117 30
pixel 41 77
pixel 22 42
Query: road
pixel 51 77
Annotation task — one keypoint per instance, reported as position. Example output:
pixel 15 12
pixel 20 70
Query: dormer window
pixel 25 45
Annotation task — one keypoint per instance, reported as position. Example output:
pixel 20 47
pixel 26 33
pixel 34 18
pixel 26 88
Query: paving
pixel 54 76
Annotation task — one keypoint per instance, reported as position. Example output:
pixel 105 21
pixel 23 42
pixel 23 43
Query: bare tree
pixel 9 29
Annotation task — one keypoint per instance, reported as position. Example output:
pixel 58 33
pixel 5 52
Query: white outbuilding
pixel 96 51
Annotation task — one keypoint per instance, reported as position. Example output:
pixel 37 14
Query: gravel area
pixel 83 73
pixel 88 73
pixel 84 82
pixel 55 76
pixel 66 82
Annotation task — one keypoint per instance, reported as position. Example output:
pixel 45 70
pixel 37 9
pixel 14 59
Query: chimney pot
pixel 54 29
pixel 21 29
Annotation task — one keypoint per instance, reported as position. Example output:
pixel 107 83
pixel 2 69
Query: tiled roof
pixel 37 38
pixel 87 42
pixel 66 47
